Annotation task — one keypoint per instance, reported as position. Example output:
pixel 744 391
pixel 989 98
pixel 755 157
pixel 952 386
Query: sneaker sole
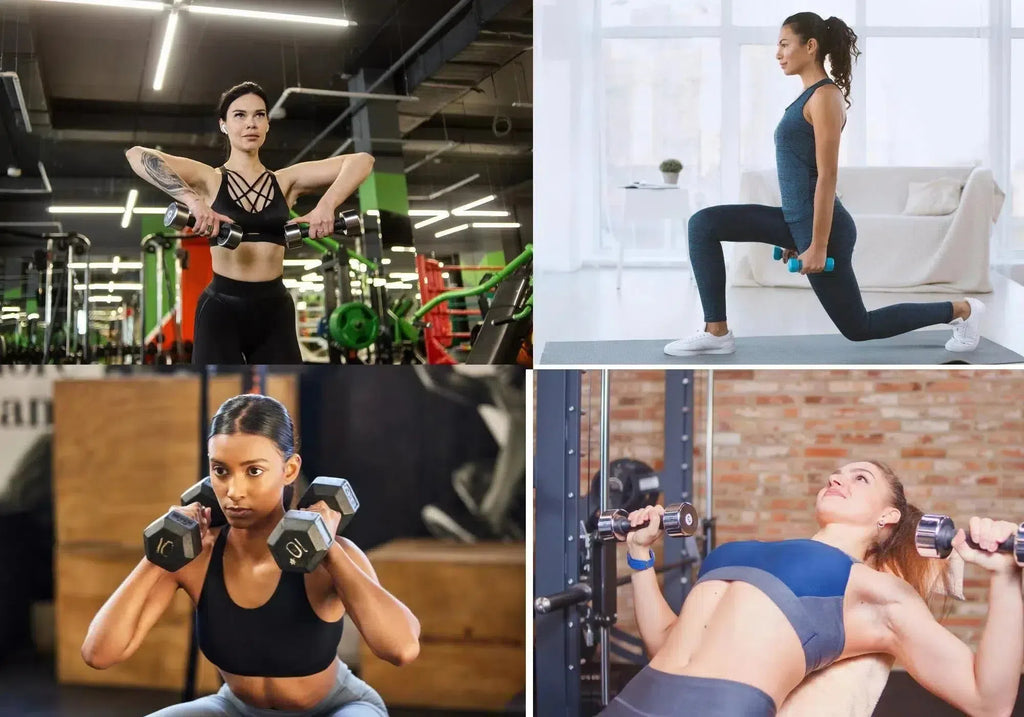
pixel 963 350
pixel 700 352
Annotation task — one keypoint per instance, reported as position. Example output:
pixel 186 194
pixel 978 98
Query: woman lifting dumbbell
pixel 762 616
pixel 246 314
pixel 812 228
pixel 272 633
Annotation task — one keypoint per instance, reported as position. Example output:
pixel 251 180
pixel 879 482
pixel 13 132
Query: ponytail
pixel 836 40
pixel 896 551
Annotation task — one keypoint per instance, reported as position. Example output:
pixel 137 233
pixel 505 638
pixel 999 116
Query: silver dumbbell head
pixel 353 223
pixel 680 520
pixel 1018 545
pixel 928 536
pixel 606 524
pixel 176 216
pixel 292 236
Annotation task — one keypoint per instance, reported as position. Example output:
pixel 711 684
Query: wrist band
pixel 640 564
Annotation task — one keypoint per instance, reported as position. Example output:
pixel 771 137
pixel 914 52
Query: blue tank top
pixel 806 579
pixel 795 159
pixel 266 225
pixel 283 637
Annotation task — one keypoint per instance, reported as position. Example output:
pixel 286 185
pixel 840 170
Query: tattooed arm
pixel 184 179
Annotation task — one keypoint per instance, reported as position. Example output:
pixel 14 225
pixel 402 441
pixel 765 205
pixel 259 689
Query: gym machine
pixel 153 351
pixel 575 587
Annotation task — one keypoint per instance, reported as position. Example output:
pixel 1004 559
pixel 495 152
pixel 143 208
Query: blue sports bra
pixel 805 578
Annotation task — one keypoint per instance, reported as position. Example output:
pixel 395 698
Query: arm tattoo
pixel 165 177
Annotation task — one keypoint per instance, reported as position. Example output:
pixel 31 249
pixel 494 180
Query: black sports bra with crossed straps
pixel 259 208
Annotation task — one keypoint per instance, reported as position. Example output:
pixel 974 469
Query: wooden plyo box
pixel 470 601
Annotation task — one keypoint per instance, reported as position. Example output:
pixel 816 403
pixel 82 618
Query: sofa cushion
pixel 935 198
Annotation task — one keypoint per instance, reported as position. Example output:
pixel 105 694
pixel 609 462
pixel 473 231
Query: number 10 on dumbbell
pixel 301 540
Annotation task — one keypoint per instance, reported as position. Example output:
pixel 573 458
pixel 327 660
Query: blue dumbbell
pixel 777 253
pixel 795 264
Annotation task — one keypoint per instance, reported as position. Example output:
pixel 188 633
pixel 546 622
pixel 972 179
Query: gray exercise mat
pixel 917 347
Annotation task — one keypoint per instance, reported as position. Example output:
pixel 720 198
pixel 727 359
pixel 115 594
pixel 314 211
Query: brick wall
pixel 956 438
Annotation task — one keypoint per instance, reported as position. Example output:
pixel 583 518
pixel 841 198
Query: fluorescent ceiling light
pixel 11 308
pixel 385 261
pixel 404 275
pixel 150 210
pixel 271 16
pixel 129 4
pixel 473 205
pixel 32 317
pixel 453 230
pixel 483 213
pixel 105 299
pixel 399 249
pixel 398 285
pixel 133 196
pixel 440 216
pixel 111 286
pixel 165 50
pixel 311 277
pixel 107 265
pixel 496 225
pixel 86 210
pixel 373 212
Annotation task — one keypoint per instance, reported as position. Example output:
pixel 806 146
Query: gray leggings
pixel 653 693
pixel 837 291
pixel 351 697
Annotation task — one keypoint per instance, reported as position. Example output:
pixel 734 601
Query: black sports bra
pixel 283 637
pixel 259 208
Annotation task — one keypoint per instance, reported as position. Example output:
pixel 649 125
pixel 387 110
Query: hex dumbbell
pixel 934 538
pixel 301 540
pixel 679 521
pixel 179 217
pixel 174 540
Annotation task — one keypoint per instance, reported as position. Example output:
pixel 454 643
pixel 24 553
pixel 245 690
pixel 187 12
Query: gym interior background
pixel 644 81
pixel 436 456
pixel 954 438
pixel 449 204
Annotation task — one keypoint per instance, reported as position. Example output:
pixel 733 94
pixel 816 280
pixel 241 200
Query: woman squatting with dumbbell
pixel 246 314
pixel 272 634
pixel 763 616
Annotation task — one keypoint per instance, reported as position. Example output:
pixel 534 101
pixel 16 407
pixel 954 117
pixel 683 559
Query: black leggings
pixel 245 322
pixel 837 290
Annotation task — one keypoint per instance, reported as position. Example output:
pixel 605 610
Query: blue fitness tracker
pixel 640 564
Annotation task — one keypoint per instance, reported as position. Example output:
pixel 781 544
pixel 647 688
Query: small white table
pixel 659 201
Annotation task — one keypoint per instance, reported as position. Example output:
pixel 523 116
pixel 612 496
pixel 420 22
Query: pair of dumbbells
pixel 679 521
pixel 299 542
pixel 229 236
pixel 934 538
pixel 794 265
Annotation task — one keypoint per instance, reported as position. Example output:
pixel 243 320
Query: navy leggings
pixel 837 290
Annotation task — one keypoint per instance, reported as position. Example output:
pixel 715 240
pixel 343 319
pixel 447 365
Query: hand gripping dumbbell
pixel 794 265
pixel 179 217
pixel 935 533
pixel 172 541
pixel 679 521
pixel 301 540
pixel 349 223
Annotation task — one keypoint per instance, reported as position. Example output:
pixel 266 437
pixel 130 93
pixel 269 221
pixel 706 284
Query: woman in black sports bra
pixel 246 315
pixel 273 635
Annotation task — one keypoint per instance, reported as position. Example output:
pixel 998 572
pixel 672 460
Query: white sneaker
pixel 702 343
pixel 967 334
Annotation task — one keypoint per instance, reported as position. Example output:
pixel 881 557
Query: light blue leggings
pixel 351 697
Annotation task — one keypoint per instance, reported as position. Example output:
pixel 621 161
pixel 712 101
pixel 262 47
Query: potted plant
pixel 670 169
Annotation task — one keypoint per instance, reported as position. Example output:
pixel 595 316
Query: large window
pixel 662 100
pixel 684 78
pixel 928 13
pixel 660 13
pixel 927 101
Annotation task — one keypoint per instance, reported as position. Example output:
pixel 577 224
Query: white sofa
pixel 894 252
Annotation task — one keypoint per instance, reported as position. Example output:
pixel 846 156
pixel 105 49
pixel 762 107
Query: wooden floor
pixel 28 689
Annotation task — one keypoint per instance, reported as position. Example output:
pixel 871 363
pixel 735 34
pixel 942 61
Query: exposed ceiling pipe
pixel 359 104
pixel 277 111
